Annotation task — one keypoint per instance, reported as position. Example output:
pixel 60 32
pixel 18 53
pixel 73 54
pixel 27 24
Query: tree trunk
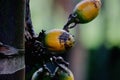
pixel 11 35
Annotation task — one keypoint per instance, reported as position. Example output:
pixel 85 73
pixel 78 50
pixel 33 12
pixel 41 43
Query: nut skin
pixel 64 73
pixel 41 74
pixel 61 73
pixel 58 40
pixel 87 10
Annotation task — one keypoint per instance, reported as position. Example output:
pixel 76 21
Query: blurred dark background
pixel 96 55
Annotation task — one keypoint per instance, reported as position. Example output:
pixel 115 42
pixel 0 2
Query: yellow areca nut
pixel 87 10
pixel 58 40
pixel 65 74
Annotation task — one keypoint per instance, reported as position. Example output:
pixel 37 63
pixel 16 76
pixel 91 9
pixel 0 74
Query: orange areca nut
pixel 58 40
pixel 87 10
